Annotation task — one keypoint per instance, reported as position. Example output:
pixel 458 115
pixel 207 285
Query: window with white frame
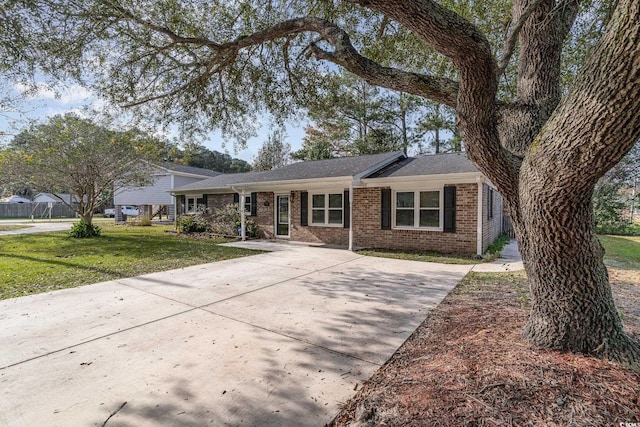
pixel 247 204
pixel 194 204
pixel 418 209
pixel 326 209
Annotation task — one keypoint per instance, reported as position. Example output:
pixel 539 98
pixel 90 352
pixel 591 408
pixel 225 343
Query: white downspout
pixel 479 225
pixel 243 220
pixel 351 216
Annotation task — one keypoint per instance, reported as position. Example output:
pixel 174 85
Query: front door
pixel 282 215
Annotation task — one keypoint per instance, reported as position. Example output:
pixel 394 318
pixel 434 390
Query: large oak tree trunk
pixel 566 147
pixel 572 307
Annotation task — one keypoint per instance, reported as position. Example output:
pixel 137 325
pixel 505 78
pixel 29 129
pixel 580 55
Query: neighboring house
pixel 154 199
pixel 438 202
pixel 51 198
pixel 14 199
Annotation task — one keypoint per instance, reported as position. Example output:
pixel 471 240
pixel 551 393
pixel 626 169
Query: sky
pixel 73 98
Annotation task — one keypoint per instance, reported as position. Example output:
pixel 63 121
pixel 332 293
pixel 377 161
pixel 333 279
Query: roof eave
pixel 452 178
pixel 267 185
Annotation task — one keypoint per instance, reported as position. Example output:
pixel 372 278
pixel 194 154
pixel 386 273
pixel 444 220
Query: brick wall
pixel 265 214
pixel 329 235
pixel 491 227
pixel 368 234
pixel 217 201
pixel 366 227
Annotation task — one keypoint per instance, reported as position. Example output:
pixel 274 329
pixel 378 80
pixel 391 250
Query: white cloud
pixel 65 95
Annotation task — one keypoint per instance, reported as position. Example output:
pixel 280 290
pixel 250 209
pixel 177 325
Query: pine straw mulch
pixel 468 365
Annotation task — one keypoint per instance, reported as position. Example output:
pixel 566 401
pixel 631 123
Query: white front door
pixel 282 215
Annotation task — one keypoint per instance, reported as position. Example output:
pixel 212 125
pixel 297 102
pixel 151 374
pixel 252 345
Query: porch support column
pixel 480 217
pixel 351 218
pixel 243 222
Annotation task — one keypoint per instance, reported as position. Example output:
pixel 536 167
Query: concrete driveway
pixel 280 338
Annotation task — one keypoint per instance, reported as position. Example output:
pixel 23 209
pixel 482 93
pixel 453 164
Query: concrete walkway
pixel 276 339
pixel 509 260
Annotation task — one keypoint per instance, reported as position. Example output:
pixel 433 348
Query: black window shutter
pixel 205 202
pixel 236 198
pixel 449 210
pixel 254 204
pixel 304 208
pixel 347 209
pixel 385 209
pixel 490 204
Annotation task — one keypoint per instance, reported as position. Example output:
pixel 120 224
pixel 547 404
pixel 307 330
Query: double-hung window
pixel 418 209
pixel 326 209
pixel 194 204
pixel 247 204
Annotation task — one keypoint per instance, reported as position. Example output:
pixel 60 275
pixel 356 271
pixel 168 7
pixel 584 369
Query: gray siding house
pixel 155 199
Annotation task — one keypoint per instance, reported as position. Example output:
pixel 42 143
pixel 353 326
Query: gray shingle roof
pixel 317 169
pixel 175 167
pixel 434 164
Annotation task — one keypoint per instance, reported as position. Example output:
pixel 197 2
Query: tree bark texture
pixel 587 134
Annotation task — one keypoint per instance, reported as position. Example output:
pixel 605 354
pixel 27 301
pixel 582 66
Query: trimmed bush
pixel 84 230
pixel 193 224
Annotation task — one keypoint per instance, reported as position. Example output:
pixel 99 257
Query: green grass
pixel 41 262
pixel 493 251
pixel 431 256
pixel 425 256
pixel 622 251
pixel 10 227
pixel 634 229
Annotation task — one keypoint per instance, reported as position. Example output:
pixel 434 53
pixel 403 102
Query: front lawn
pixel 492 253
pixel 41 262
pixel 424 256
pixel 622 251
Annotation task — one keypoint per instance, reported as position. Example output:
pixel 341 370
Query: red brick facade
pixel 336 235
pixel 366 222
pixel 218 201
pixel 368 233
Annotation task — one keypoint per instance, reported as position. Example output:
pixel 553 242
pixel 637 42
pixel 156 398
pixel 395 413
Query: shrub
pixel 224 221
pixel 227 221
pixel 84 230
pixel 144 221
pixel 193 224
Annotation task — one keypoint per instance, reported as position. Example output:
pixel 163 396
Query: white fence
pixel 38 210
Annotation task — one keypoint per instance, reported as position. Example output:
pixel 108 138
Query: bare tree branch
pixel 437 89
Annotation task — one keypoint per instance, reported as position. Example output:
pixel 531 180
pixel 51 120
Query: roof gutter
pixel 236 187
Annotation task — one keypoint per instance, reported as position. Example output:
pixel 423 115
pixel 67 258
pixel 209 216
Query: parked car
pixel 126 210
